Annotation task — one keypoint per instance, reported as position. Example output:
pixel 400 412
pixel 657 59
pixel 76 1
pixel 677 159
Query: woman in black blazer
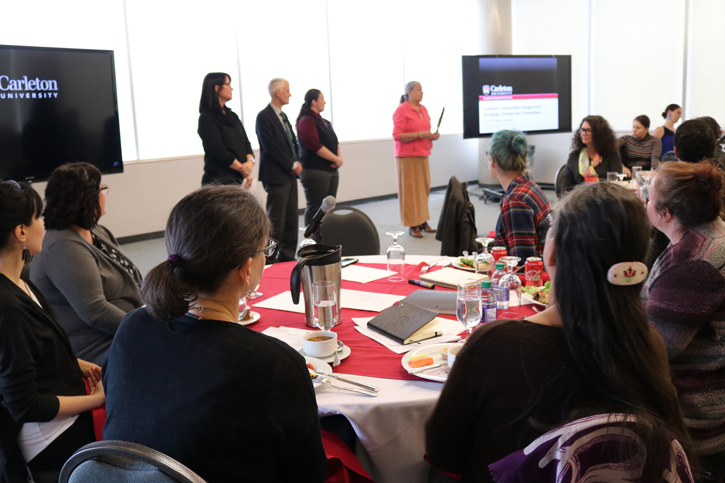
pixel 45 412
pixel 594 151
pixel 228 155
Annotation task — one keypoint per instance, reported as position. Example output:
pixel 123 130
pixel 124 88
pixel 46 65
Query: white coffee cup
pixel 452 353
pixel 319 348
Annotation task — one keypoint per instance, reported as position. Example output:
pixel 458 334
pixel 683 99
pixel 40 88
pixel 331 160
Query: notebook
pixel 440 302
pixel 449 277
pixel 406 323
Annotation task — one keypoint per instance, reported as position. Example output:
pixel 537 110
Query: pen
pixel 421 284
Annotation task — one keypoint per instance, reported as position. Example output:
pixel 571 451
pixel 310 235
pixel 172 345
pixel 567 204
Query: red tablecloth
pixel 368 358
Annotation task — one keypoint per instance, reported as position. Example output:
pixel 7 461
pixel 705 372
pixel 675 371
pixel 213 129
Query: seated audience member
pixel 88 280
pixel 183 377
pixel 522 224
pixel 694 141
pixel 45 414
pixel 594 153
pixel 584 355
pixel 719 155
pixel 641 148
pixel 666 133
pixel 685 297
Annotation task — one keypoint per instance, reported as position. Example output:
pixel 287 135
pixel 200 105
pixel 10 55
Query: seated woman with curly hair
pixel 87 279
pixel 594 153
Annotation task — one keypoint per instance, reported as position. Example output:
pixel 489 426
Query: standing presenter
pixel 228 155
pixel 413 142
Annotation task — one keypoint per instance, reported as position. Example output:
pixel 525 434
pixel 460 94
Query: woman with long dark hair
pixel 320 153
pixel 89 281
pixel 45 414
pixel 590 352
pixel 666 132
pixel 594 153
pixel 641 148
pixel 228 155
pixel 685 297
pixel 184 378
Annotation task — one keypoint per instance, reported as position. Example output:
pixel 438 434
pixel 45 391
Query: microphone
pixel 327 205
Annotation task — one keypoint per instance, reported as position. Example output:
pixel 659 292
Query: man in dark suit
pixel 278 168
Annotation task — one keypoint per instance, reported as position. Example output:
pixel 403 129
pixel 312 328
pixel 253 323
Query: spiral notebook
pixel 449 277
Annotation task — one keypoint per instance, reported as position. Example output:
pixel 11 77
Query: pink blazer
pixel 406 119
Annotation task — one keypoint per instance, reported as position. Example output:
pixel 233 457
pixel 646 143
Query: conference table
pixel 390 427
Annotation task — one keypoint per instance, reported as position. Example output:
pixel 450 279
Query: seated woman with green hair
pixel 522 224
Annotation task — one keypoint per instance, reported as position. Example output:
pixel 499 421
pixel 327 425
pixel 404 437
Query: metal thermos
pixel 316 263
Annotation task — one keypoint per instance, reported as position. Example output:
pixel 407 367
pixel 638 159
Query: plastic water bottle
pixel 488 302
pixel 501 290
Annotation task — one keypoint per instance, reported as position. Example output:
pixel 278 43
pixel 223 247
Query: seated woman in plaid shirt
pixel 522 225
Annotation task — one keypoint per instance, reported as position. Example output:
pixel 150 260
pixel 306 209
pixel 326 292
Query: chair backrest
pixel 351 228
pixel 557 181
pixel 124 462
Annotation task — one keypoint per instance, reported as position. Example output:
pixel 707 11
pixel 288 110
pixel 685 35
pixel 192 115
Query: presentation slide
pixel 529 94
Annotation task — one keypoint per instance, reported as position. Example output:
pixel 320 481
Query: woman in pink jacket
pixel 413 142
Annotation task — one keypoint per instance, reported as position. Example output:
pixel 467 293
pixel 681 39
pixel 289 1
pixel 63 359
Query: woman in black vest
pixel 319 153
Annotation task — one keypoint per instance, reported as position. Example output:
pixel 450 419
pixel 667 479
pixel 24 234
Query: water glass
pixel 325 302
pixel 396 258
pixel 484 261
pixel 514 284
pixel 612 176
pixel 468 309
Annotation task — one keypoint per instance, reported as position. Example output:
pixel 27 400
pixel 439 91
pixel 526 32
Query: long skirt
pixel 413 189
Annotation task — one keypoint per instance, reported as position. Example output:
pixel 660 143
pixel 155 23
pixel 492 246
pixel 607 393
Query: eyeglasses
pixel 269 250
pixel 585 131
pixel 105 188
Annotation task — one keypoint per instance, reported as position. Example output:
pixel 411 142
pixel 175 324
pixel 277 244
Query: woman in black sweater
pixel 45 413
pixel 228 155
pixel 320 153
pixel 594 153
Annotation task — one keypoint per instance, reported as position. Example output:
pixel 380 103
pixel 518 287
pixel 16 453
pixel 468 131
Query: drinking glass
pixel 484 257
pixel 612 176
pixel 514 283
pixel 468 309
pixel 243 308
pixel 396 258
pixel 621 177
pixel 325 302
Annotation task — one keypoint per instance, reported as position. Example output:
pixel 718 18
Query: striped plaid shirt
pixel 522 225
pixel 649 148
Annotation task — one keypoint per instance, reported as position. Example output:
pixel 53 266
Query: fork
pixel 326 380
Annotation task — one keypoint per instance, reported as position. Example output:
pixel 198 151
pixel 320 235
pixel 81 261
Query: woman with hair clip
pixel 320 153
pixel 641 148
pixel 45 414
pixel 584 356
pixel 184 378
pixel 413 141
pixel 87 278
pixel 522 224
pixel 666 132
pixel 594 153
pixel 228 155
pixel 685 297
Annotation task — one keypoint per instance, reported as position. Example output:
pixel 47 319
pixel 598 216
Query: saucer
pixel 346 351
pixel 255 317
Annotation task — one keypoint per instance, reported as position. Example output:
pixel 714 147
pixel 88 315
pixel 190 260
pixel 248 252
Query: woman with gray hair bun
pixel 413 142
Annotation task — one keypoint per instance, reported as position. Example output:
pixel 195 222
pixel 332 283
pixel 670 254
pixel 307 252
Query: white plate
pixel 530 298
pixel 440 374
pixel 346 351
pixel 457 264
pixel 320 368
pixel 255 317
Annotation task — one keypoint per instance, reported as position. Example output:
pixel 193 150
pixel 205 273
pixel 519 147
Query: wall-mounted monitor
pixel 530 93
pixel 57 106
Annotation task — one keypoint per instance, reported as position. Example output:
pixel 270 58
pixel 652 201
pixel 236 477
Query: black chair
pixel 557 181
pixel 352 229
pixel 124 462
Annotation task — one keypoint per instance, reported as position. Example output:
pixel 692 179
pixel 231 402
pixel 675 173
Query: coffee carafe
pixel 316 263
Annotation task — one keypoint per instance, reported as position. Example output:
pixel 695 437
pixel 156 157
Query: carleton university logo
pixel 486 90
pixel 24 88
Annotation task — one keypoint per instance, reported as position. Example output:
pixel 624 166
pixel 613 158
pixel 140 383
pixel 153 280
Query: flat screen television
pixel 57 106
pixel 530 93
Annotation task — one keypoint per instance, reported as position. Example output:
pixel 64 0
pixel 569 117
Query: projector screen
pixel 57 106
pixel 526 93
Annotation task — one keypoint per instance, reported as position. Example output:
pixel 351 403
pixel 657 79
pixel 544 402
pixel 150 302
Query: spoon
pixel 336 361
